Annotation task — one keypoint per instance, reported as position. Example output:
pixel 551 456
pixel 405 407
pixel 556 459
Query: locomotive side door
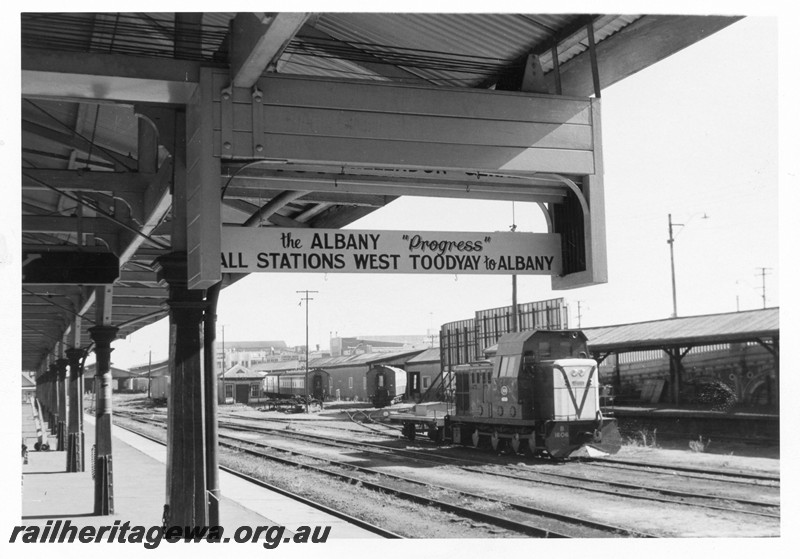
pixel 486 381
pixel 481 391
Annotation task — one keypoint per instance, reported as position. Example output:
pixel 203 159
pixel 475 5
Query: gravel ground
pixel 415 521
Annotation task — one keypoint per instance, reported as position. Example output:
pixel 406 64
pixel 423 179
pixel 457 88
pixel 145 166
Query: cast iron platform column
pixel 187 501
pixel 102 336
pixel 61 378
pixel 75 420
pixel 52 398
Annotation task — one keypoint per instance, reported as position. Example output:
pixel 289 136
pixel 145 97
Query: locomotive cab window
pixel 544 350
pixel 508 366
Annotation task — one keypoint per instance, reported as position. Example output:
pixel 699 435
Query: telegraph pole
pixel 307 299
pixel 764 286
pixel 514 307
pixel 149 371
pixel 224 355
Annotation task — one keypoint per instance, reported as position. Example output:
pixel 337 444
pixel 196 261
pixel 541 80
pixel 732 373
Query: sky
pixel 694 136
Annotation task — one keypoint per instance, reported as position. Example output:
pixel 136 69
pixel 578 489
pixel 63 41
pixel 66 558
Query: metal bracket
pixel 226 120
pixel 258 121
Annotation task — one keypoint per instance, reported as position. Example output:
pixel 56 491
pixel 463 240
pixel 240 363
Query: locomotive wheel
pixel 532 444
pixel 410 431
pixel 515 443
pixel 435 434
pixel 476 438
pixel 495 441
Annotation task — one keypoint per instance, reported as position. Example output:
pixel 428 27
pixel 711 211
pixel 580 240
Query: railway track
pixel 515 517
pixel 732 503
pixel 687 471
pixel 543 523
pixel 377 530
pixel 622 489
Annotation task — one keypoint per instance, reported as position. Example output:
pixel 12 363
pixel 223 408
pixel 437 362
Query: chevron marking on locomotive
pixel 569 385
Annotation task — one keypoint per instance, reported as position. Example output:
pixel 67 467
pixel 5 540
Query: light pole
pixel 307 299
pixel 671 243
pixel 224 360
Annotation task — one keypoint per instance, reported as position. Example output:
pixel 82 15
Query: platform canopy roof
pixel 760 325
pixel 102 91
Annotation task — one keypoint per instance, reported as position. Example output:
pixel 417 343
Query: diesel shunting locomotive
pixel 540 391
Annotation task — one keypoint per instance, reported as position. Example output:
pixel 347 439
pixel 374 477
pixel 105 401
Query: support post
pixel 210 379
pixel 75 450
pixel 61 427
pixel 102 336
pixel 52 398
pixel 187 501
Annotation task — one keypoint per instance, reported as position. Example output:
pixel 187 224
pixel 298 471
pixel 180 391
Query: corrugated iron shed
pixel 737 327
pixel 360 359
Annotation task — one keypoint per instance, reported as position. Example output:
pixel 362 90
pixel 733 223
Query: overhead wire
pixel 100 212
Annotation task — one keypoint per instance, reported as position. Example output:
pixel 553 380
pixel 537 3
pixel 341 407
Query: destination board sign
pixel 279 249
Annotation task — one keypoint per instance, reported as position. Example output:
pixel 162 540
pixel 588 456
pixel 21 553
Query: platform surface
pixel 49 493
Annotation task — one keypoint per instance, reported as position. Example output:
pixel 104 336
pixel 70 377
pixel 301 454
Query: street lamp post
pixel 671 243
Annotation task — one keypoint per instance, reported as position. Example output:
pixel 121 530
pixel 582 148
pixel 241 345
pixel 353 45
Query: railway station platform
pixel 49 493
pixel 755 427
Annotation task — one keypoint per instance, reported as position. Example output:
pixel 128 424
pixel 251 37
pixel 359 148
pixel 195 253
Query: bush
pixel 717 395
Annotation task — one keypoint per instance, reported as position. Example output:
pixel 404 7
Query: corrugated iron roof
pixel 359 359
pixel 238 372
pixel 688 330
pixel 427 356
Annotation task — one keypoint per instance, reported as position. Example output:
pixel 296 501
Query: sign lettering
pixel 279 249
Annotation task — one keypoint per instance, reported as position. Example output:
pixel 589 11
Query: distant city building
pixel 256 355
pixel 341 346
pixel 252 353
